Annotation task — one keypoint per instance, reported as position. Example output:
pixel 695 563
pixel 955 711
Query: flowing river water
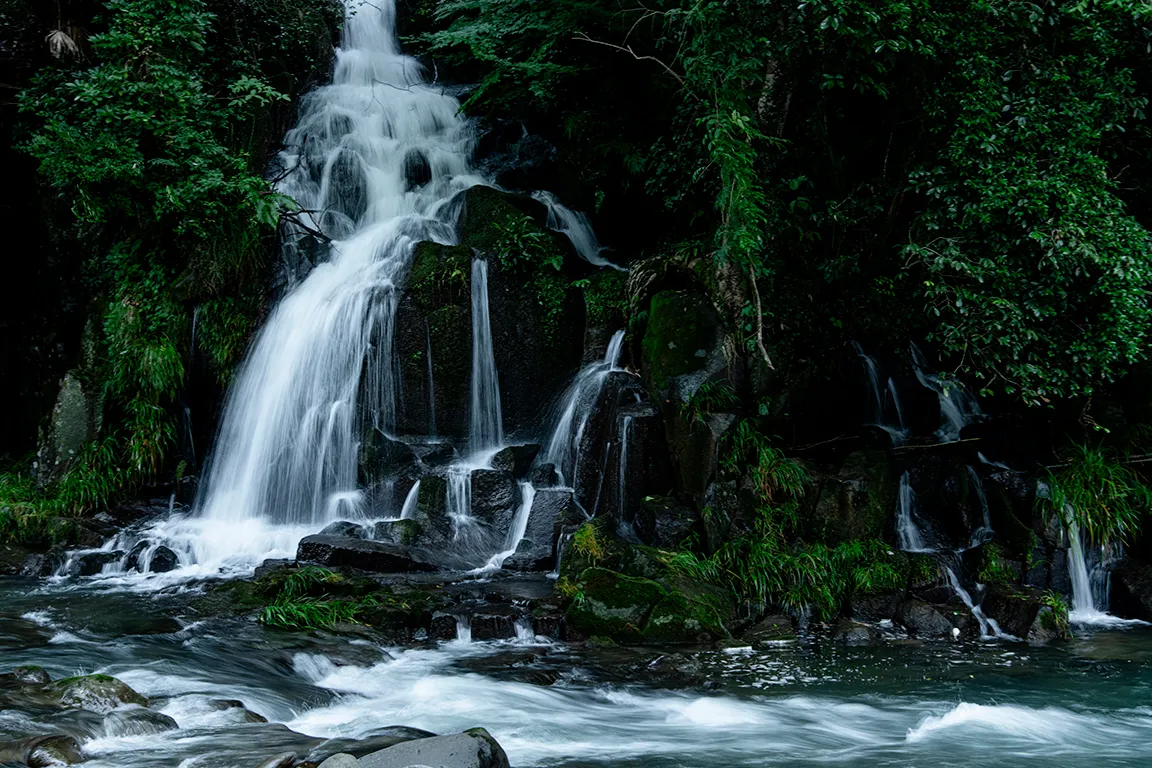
pixel 1086 702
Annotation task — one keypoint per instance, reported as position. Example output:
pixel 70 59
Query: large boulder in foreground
pixel 475 748
pixel 346 552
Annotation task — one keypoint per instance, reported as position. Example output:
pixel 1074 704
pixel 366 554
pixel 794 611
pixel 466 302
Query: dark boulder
pixel 344 528
pixel 852 633
pixel 383 457
pixel 495 497
pixel 433 455
pixel 494 622
pixel 92 563
pixel 544 476
pixel 163 560
pixel 375 556
pixel 552 510
pixel 403 532
pixel 770 631
pixel 516 459
pixel 133 721
pixel 854 502
pixel 42 751
pixel 1132 590
pixel 875 608
pixel 663 522
pixel 1013 610
pixel 614 606
pixel 923 620
pixel 474 748
pixel 417 171
pixel 132 561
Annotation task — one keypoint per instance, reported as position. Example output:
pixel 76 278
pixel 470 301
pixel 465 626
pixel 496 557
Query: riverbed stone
pixel 923 620
pixel 376 556
pixel 42 751
pixel 474 748
pixel 282 760
pixel 137 721
pixel 25 675
pixel 97 693
pixel 163 560
pixel 853 633
pixel 92 563
pixel 236 706
pixel 770 631
pixel 342 760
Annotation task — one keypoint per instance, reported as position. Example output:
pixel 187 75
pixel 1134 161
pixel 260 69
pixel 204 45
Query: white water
pixel 906 529
pixel 516 532
pixel 878 398
pixel 409 508
pixel 563 448
pixel 1089 595
pixel 984 533
pixel 989 629
pixel 486 425
pixel 622 489
pixel 576 227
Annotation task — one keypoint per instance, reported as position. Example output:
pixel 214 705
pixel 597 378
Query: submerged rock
pixel 282 760
pixel 97 693
pixel 137 722
pixel 769 631
pixel 376 556
pixel 92 563
pixel 474 748
pixel 853 633
pixel 341 760
pixel 42 751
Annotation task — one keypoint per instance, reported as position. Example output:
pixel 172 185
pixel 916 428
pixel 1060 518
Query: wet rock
pixel 344 528
pixel 348 175
pixel 236 706
pixel 402 532
pixel 342 760
pixel 92 563
pixel 922 620
pixel 42 751
pixel 1060 580
pixel 552 509
pixel 283 760
pixel 137 722
pixel 444 626
pixel 132 561
pixel 435 454
pixel 675 669
pixel 663 522
pixel 1014 610
pixel 38 565
pixel 613 605
pixel 163 560
pixel 474 748
pixel 97 693
pixel 679 620
pixel 516 459
pixel 74 421
pixel 544 476
pixel 683 343
pixel 1132 589
pixel 381 457
pixel 376 556
pixel 494 623
pixel 417 171
pixel 273 565
pixel 495 497
pixel 853 633
pixel 855 502
pixel 546 621
pixel 770 631
pixel 1048 627
pixel 25 675
pixel 875 608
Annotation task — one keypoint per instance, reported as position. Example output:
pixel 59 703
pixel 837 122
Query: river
pixel 1086 702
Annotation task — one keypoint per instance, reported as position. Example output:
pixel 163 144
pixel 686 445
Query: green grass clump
pixel 304 602
pixel 1098 493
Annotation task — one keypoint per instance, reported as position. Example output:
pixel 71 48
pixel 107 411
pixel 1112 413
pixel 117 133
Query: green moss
pixel 681 331
pixel 605 297
pixel 677 619
pixel 993 568
pixel 613 605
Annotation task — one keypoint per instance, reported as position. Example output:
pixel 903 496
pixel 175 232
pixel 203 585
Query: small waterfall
pixel 524 631
pixel 431 382
pixel 989 629
pixel 486 426
pixel 409 508
pixel 622 491
pixel 576 227
pixel 906 530
pixel 879 398
pixel 1091 586
pixel 958 408
pixel 563 447
pixel 463 629
pixel 984 533
pixel 459 502
pixel 516 532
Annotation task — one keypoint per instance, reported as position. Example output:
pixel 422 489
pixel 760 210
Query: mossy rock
pixel 96 693
pixel 678 620
pixel 855 502
pixel 682 337
pixel 612 605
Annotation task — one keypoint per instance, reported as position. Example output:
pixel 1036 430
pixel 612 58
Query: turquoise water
pixel 1087 702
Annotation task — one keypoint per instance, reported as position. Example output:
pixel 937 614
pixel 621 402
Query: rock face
pixel 552 509
pixel 343 528
pixel 377 556
pixel 75 420
pixel 474 748
pixel 1015 611
pixel 536 344
pixel 663 522
pixel 516 459
pixel 613 605
pixel 855 502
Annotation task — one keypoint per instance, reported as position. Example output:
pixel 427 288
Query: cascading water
pixel 409 508
pixel 563 448
pixel 879 398
pixel 958 408
pixel 984 533
pixel 989 628
pixel 1090 587
pixel 576 227
pixel 485 424
pixel 906 529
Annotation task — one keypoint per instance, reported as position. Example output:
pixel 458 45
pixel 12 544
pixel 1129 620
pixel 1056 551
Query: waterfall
pixel 409 508
pixel 984 533
pixel 989 629
pixel 486 429
pixel 516 532
pixel 906 530
pixel 622 491
pixel 576 227
pixel 879 397
pixel 1090 586
pixel 958 408
pixel 322 365
pixel 563 446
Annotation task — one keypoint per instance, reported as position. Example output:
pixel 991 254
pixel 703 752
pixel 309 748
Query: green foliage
pixel 776 478
pixel 522 244
pixel 303 602
pixel 590 543
pixel 605 296
pixel 1057 620
pixel 993 569
pixel 710 397
pixel 1098 493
